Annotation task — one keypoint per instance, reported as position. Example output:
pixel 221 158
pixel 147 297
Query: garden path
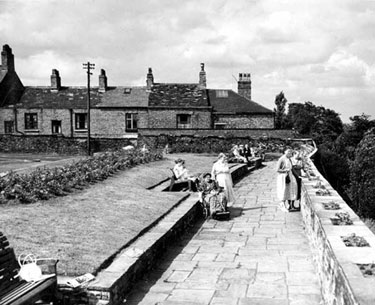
pixel 260 256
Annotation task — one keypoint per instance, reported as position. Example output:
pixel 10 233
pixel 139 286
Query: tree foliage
pixel 362 177
pixel 323 125
pixel 280 102
pixel 353 133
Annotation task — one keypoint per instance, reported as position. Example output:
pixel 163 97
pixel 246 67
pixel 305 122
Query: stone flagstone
pixel 260 256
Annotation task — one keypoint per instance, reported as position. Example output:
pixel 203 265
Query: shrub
pixel 42 184
pixel 362 178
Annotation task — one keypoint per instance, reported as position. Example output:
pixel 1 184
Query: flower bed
pixel 342 219
pixel 368 270
pixel 331 205
pixel 42 184
pixel 323 192
pixel 354 240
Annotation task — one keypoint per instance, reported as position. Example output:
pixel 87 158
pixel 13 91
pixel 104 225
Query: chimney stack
pixel 202 78
pixel 244 85
pixel 7 59
pixel 150 79
pixel 55 80
pixel 102 81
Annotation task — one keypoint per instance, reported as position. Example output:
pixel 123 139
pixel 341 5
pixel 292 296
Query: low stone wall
pixel 58 144
pixel 338 265
pixel 224 133
pixel 113 283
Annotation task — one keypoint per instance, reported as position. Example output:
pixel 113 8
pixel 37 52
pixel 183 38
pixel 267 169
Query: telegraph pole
pixel 88 66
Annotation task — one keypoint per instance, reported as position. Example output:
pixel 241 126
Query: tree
pixel 362 176
pixel 323 125
pixel 353 133
pixel 280 102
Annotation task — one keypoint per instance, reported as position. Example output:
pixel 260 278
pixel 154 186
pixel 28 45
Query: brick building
pixel 121 111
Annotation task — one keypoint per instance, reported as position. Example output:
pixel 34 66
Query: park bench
pixel 14 290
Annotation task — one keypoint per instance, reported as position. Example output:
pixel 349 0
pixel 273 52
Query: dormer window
pixel 221 93
pixel 127 90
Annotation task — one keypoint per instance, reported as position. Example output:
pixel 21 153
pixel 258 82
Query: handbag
pixel 29 271
pixel 287 179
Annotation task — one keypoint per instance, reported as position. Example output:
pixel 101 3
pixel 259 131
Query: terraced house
pixel 124 111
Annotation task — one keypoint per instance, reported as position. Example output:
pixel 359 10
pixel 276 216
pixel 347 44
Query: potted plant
pixel 354 240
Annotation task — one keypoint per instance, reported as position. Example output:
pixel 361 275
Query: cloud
pixel 316 50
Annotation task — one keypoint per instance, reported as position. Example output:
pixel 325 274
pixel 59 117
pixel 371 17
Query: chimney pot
pixel 102 81
pixel 202 78
pixel 149 80
pixel 244 85
pixel 7 59
pixel 55 80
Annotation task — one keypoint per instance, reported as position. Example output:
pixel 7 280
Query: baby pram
pixel 214 205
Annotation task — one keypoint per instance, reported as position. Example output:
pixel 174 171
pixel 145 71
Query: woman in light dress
pixel 220 172
pixel 286 190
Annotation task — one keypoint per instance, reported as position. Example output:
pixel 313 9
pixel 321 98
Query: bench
pixel 14 290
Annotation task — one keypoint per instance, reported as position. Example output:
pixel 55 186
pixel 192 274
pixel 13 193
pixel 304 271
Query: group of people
pixel 215 188
pixel 243 153
pixel 289 168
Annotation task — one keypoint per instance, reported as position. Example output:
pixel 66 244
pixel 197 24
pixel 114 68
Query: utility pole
pixel 88 66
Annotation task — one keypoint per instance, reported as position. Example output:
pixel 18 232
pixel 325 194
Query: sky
pixel 313 50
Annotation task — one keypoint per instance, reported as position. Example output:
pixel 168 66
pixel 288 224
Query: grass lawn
pixel 27 162
pixel 84 228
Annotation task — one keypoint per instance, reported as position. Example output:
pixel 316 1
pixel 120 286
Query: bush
pixel 42 184
pixel 362 178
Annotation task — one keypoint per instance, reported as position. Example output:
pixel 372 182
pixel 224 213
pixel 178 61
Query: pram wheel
pixel 205 210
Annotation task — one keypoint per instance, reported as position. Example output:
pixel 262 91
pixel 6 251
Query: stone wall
pixel 209 140
pixel 338 265
pixel 167 118
pixel 113 283
pixel 108 123
pixel 246 121
pixel 57 144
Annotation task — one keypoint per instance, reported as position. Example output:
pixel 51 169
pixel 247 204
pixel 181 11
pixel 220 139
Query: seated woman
pixel 237 155
pixel 212 194
pixel 181 175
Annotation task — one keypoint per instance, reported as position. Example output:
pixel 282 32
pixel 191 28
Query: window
pixel 81 120
pixel 31 121
pixel 183 121
pixel 8 126
pixel 221 93
pixel 220 125
pixel 131 121
pixel 56 127
pixel 127 90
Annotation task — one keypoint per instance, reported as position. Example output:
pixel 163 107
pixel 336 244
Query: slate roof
pixel 65 98
pixel 76 98
pixel 177 95
pixel 235 103
pixel 116 97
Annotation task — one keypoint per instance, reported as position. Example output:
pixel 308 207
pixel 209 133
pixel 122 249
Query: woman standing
pixel 220 173
pixel 298 165
pixel 286 182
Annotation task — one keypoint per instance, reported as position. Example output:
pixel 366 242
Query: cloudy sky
pixel 313 50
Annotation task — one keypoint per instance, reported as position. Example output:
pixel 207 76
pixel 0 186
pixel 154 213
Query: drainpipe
pixel 16 122
pixel 71 122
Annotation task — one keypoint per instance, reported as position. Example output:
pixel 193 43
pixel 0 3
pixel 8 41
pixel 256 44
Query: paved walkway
pixel 260 256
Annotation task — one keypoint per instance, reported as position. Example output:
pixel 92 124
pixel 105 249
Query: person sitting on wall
pixel 236 154
pixel 181 175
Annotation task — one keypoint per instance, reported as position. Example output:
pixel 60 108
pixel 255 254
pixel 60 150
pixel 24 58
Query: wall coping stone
pixel 341 279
